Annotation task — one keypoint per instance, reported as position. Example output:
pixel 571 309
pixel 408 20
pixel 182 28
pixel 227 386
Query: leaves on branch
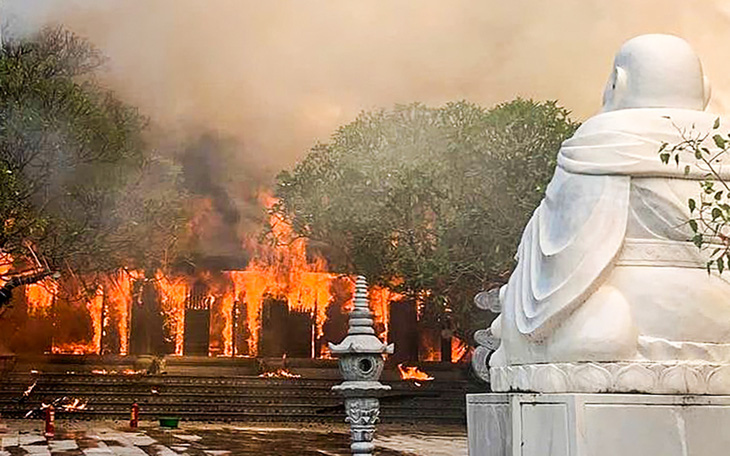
pixel 710 212
pixel 719 141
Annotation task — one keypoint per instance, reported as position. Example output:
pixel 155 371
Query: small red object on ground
pixel 134 421
pixel 50 421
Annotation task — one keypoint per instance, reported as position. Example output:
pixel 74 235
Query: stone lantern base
pixel 505 424
pixel 363 412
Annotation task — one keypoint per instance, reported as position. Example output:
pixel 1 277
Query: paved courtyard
pixel 98 438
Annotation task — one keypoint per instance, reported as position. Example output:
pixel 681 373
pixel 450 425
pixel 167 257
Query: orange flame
pixel 174 293
pixel 71 348
pixel 118 301
pixel 6 263
pixel 114 372
pixel 72 405
pixel 95 306
pixel 459 350
pixel 40 296
pixel 380 299
pixel 279 373
pixel 412 373
pixel 133 372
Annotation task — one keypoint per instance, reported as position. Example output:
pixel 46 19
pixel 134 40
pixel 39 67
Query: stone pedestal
pixel 504 424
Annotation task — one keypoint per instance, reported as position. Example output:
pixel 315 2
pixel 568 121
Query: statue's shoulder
pixel 647 122
pixel 627 142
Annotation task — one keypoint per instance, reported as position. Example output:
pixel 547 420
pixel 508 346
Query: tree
pixel 79 189
pixel 430 202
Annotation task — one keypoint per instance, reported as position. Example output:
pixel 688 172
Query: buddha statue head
pixel 656 71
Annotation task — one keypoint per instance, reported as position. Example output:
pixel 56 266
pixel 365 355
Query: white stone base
pixel 677 377
pixel 503 424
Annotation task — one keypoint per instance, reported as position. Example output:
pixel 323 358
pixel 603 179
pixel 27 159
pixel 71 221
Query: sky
pixel 280 75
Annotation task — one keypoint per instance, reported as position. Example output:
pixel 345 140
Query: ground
pixel 98 438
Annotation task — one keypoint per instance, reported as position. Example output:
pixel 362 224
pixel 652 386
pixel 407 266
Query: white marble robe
pixel 605 268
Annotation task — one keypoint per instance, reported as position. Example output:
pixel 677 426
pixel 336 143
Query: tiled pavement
pixel 23 437
pixel 94 442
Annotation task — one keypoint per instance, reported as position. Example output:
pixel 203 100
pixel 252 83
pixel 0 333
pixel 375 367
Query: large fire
pixel 280 281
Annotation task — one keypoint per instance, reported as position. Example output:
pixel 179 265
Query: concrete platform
pixel 503 424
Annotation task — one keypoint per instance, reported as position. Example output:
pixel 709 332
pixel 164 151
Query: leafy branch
pixel 710 210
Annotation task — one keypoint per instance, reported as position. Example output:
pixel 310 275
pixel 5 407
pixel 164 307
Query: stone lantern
pixel 361 360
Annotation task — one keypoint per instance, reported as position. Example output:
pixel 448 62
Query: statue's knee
pixel 601 329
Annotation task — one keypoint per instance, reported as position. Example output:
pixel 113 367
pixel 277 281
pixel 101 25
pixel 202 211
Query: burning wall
pixel 248 313
pixel 128 313
pixel 282 303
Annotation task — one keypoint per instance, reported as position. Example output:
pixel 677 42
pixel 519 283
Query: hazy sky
pixel 282 74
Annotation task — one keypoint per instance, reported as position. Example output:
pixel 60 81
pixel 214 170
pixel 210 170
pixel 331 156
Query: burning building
pixel 281 304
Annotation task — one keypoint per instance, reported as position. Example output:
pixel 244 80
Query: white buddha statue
pixel 609 294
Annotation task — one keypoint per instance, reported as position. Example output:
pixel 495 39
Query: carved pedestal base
pixel 629 377
pixel 362 414
pixel 597 425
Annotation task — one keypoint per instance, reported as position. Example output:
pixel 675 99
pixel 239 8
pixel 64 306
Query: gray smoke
pixel 239 89
pixel 281 75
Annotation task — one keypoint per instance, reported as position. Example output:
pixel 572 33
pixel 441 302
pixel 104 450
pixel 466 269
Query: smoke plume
pixel 273 78
pixel 281 75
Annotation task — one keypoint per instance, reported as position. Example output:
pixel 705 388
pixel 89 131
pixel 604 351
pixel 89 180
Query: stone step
pixel 230 397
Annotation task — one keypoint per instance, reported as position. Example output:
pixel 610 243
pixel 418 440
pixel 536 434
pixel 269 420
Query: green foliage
pixel 431 202
pixel 73 161
pixel 710 211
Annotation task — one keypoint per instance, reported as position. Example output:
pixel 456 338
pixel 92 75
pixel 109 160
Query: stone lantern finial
pixel 361 336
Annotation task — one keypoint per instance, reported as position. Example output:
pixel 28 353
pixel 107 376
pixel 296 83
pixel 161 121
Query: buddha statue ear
pixel 706 91
pixel 616 89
